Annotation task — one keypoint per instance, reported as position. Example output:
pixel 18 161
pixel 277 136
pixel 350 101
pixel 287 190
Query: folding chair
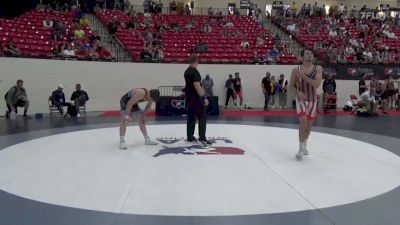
pixel 53 109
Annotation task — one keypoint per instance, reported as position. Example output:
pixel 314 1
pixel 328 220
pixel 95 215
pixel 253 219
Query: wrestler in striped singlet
pixel 308 106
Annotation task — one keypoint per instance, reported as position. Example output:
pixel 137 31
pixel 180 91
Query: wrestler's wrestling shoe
pixel 148 141
pixel 122 145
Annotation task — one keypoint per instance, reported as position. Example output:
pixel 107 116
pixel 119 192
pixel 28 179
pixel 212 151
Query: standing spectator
pixel 173 7
pixel 293 9
pixel 208 85
pixel 187 10
pixel 390 91
pixel 266 87
pixel 192 6
pixel 282 91
pixel 48 23
pixel 362 87
pixel 273 92
pixel 159 7
pixel 229 90
pixel 58 99
pixel 79 97
pixel 16 97
pixel 382 97
pixel 237 91
pixel 341 9
pixel 146 6
pixel 374 83
pixel 210 11
pixel 329 85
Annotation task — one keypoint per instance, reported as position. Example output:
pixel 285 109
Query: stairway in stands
pixel 291 43
pixel 118 51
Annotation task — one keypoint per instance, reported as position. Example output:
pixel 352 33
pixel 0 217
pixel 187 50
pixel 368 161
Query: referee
pixel 197 102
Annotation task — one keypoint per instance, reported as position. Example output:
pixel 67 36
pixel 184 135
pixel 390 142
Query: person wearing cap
pixel 58 99
pixel 208 85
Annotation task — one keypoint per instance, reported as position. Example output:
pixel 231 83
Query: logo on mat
pixel 221 146
pixel 178 103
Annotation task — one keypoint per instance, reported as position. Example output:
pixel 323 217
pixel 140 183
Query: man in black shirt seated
pixel 197 102
pixel 58 99
pixel 79 97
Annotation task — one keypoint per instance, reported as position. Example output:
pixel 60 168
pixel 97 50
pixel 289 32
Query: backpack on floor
pixel 72 111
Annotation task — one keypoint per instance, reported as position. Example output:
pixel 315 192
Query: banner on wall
pixel 277 4
pixel 245 4
pixel 355 71
pixel 385 7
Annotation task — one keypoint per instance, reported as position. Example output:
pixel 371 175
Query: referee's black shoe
pixel 191 139
pixel 205 142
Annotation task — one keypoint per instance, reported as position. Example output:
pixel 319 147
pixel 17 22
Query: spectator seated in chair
pixel 48 23
pixel 16 97
pixel 245 44
pixel 11 50
pixel 57 99
pixel 201 47
pixel 79 97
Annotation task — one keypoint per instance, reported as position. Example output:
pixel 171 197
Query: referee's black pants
pixel 196 112
pixel 229 94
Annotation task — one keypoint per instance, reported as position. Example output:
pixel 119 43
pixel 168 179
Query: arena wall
pixel 107 82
